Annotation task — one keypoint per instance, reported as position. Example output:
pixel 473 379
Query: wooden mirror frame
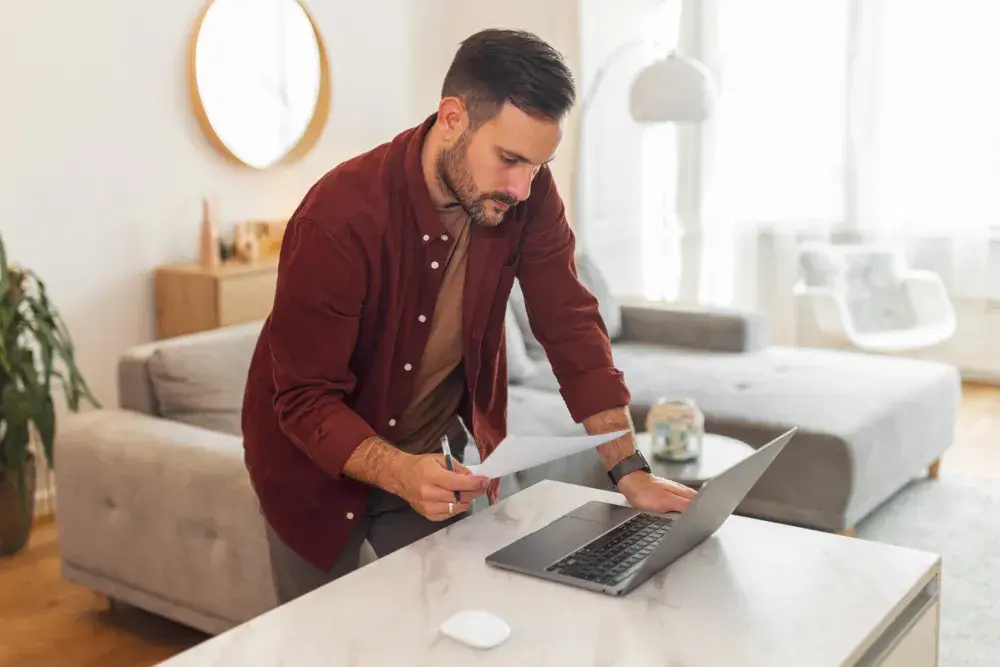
pixel 320 115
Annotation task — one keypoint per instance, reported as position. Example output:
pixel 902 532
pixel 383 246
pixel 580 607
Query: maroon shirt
pixel 358 277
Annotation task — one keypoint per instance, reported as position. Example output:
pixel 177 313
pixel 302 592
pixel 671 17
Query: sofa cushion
pixel 199 379
pixel 876 293
pixel 520 366
pixel 828 391
pixel 590 276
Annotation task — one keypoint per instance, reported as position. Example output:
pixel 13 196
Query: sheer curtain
pixel 877 117
pixel 931 168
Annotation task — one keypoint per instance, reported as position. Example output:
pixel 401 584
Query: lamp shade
pixel 674 89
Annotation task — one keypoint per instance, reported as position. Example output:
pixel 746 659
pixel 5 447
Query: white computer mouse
pixel 476 628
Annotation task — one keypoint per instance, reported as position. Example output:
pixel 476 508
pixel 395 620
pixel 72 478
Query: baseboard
pixel 980 377
pixel 45 503
pixel 45 497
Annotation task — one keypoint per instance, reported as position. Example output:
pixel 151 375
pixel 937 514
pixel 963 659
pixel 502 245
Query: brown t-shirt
pixel 440 380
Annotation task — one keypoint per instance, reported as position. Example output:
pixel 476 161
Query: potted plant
pixel 36 351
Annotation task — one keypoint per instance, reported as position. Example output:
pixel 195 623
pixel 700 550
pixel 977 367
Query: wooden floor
pixel 45 622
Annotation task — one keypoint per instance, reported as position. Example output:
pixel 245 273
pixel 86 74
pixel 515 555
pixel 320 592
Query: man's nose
pixel 520 184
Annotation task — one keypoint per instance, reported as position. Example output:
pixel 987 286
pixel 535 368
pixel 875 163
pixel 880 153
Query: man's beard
pixel 454 175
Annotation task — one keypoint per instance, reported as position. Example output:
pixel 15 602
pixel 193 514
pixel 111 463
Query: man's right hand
pixel 429 487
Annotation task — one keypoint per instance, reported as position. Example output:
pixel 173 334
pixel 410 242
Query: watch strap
pixel 627 465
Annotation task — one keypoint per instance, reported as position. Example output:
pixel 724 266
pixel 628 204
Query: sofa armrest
pixel 165 508
pixel 698 327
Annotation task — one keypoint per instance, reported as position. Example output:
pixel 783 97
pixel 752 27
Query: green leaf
pixel 4 278
pixel 45 422
pixel 36 351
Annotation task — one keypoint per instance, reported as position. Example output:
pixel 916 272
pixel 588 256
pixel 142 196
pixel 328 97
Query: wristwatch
pixel 627 465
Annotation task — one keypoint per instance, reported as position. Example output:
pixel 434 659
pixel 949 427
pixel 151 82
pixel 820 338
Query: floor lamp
pixel 673 89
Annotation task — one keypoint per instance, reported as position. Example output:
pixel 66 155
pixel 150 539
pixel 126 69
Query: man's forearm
pixel 378 463
pixel 615 419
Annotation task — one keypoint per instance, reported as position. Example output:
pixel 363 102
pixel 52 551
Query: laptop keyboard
pixel 617 554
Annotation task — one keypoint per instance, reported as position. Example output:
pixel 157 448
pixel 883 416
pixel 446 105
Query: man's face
pixel 490 170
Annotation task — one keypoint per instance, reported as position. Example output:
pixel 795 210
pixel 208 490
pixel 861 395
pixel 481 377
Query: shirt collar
pixel 428 220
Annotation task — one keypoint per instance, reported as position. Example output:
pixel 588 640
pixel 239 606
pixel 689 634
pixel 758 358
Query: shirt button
pixel 350 515
pixel 422 318
pixel 392 422
pixel 434 265
pixel 408 367
pixel 426 237
pixel 444 237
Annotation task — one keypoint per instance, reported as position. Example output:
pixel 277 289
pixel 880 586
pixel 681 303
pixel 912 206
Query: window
pixel 780 123
pixel 936 160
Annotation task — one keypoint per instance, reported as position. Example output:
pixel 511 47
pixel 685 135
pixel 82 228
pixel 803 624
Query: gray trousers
pixel 389 524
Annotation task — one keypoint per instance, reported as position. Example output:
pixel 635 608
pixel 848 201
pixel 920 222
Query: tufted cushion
pixel 867 423
pixel 820 390
pixel 174 509
pixel 199 380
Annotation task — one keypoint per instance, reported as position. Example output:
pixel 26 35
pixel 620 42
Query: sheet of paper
pixel 520 452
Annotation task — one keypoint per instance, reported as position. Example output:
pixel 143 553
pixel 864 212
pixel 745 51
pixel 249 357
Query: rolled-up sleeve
pixel 313 328
pixel 562 312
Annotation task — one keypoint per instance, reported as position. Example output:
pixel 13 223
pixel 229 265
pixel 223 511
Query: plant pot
pixel 16 509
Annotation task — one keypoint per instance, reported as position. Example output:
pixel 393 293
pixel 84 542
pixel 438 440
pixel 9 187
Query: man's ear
pixel 453 117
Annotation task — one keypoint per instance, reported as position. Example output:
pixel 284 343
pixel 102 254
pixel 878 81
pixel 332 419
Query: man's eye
pixel 508 160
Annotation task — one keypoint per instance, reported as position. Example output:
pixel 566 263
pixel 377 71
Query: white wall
pixel 103 165
pixel 437 33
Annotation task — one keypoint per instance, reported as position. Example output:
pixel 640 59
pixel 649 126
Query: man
pixel 387 326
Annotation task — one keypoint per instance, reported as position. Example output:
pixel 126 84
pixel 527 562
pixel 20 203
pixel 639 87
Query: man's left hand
pixel 650 493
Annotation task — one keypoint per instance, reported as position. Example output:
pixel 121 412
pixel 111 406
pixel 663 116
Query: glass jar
pixel 676 428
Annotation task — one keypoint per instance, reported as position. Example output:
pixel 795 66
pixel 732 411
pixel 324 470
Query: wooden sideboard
pixel 190 298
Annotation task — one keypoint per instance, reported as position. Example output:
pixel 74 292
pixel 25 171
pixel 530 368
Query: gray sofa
pixel 155 509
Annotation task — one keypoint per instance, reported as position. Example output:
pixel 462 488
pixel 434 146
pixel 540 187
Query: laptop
pixel 613 549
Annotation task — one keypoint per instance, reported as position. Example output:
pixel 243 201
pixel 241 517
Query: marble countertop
pixel 755 594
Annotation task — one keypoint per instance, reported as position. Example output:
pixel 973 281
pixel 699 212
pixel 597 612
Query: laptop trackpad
pixel 608 514
pixel 544 547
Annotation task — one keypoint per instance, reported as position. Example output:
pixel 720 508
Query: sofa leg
pixel 934 468
pixel 847 532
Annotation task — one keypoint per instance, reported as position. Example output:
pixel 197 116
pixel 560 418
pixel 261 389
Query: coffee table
pixel 755 594
pixel 719 453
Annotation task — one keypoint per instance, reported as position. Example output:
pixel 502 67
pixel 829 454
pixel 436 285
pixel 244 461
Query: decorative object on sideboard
pixel 246 243
pixel 270 235
pixel 209 250
pixel 252 241
pixel 35 343
pixel 260 82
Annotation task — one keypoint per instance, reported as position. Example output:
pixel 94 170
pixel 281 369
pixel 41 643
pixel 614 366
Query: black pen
pixel 447 460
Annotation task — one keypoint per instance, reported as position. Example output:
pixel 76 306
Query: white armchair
pixel 867 296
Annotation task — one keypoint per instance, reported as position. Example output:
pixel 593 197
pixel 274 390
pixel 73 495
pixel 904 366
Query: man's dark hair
pixel 494 67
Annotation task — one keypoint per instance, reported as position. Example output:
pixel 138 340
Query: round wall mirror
pixel 260 79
